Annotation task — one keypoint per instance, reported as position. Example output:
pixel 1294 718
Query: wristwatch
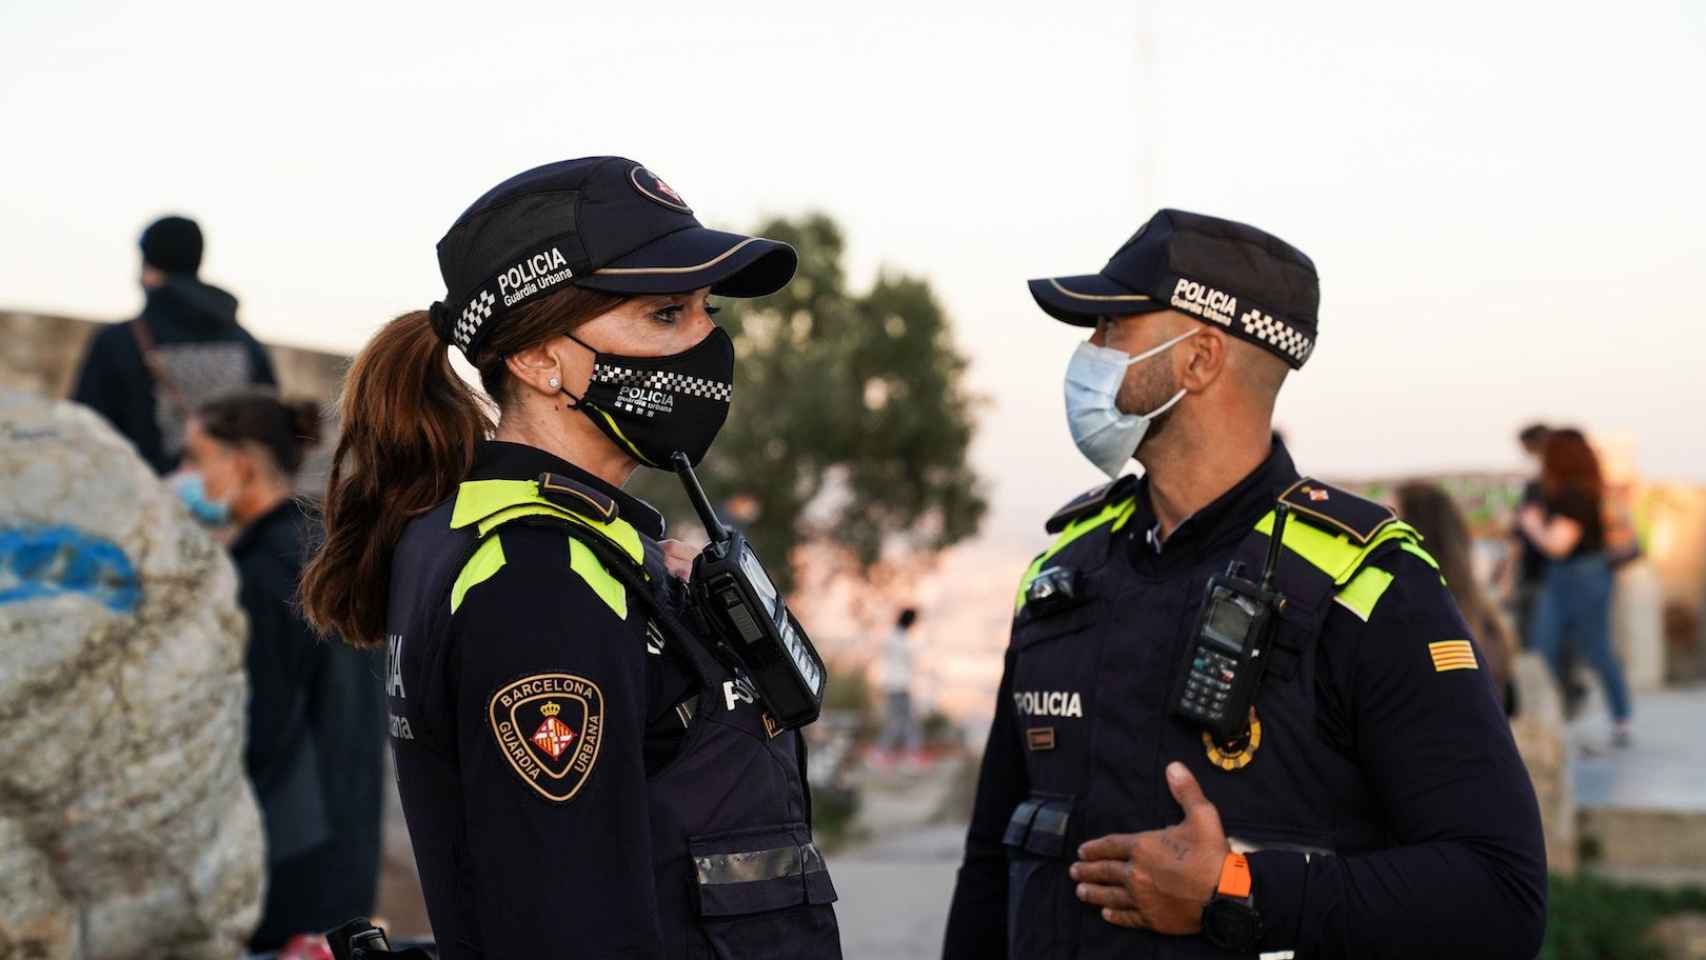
pixel 1229 919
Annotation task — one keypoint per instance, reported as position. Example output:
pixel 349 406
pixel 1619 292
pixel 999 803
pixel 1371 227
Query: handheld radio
pixel 754 626
pixel 1229 651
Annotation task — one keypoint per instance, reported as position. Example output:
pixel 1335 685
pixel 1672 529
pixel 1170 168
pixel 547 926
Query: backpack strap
pixel 156 370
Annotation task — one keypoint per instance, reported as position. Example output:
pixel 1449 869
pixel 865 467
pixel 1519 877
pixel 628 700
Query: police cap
pixel 1253 284
pixel 604 223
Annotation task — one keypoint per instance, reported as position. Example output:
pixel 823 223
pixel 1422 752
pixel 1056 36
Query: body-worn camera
pixel 1229 651
pixel 753 624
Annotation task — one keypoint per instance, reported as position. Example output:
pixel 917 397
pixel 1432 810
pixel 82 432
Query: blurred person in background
pixel 316 716
pixel 900 735
pixel 185 348
pixel 1525 569
pixel 1573 609
pixel 1435 516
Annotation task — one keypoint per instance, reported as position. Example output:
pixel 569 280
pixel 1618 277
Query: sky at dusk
pixel 1504 201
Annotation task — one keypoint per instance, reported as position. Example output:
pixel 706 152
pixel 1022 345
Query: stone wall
pixel 1543 741
pixel 39 354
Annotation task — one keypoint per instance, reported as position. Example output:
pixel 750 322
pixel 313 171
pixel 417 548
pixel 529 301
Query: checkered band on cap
pixel 1284 338
pixel 677 383
pixel 476 313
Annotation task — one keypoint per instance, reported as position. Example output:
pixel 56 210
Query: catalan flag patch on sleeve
pixel 1452 655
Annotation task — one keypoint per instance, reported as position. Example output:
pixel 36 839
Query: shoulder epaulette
pixel 1338 511
pixel 1091 501
pixel 577 497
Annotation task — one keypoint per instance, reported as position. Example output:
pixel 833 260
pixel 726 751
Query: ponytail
pixel 409 426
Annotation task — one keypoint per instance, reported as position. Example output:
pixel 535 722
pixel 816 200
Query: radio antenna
pixel 701 504
pixel 1275 541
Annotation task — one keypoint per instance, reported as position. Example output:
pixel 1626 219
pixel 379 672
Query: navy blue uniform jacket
pixel 1438 853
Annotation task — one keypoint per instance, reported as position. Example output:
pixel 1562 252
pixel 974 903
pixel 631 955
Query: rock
pixel 127 827
pixel 1543 741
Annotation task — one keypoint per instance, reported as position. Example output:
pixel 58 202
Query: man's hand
pixel 1161 879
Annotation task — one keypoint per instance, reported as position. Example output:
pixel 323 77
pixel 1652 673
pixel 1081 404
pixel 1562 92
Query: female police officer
pixel 579 777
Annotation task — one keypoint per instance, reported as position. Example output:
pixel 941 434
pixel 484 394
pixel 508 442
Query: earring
pixel 554 383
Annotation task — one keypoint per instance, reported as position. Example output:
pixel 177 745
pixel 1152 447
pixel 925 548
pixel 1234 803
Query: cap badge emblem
pixel 652 187
pixel 668 191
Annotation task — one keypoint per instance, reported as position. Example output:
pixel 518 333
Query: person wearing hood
pixel 184 349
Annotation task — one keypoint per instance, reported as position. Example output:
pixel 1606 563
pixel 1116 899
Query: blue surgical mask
pixel 1104 435
pixel 192 490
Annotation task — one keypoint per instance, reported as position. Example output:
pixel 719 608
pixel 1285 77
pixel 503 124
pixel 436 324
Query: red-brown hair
pixel 1568 464
pixel 409 425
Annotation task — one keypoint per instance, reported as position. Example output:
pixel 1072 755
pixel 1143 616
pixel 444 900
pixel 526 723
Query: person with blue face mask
pixel 191 488
pixel 1106 435
pixel 1115 815
pixel 316 717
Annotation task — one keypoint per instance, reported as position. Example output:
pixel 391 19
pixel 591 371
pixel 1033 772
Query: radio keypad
pixel 1209 684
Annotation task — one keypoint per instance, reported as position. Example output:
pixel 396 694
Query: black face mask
pixel 655 406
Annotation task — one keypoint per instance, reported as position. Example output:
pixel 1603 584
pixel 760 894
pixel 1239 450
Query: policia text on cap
pixel 1135 800
pixel 583 772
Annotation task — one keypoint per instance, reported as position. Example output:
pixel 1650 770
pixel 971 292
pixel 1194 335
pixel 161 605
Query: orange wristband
pixel 1234 876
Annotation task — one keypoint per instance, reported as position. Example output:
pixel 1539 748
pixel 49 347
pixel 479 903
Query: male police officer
pixel 1373 804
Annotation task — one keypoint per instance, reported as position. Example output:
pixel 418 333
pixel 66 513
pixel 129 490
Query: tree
pixel 850 423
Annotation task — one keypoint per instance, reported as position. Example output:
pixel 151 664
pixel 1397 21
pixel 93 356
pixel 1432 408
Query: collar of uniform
pixel 1229 516
pixel 499 460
